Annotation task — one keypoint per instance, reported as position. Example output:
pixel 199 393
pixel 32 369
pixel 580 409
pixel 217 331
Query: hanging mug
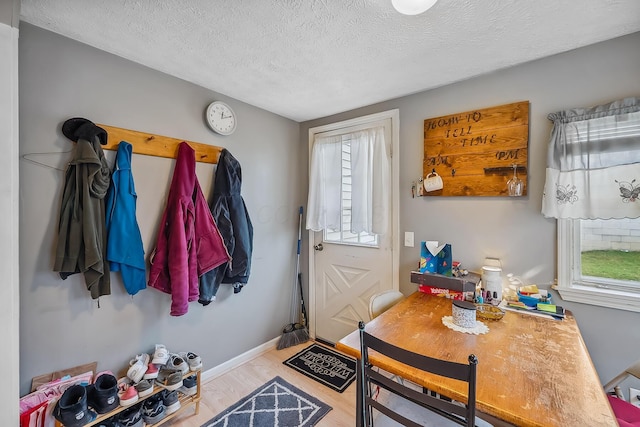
pixel 433 182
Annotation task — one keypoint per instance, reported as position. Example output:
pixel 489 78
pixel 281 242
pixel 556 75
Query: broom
pixel 296 332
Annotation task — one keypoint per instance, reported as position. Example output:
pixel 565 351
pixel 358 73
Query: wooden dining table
pixel 532 370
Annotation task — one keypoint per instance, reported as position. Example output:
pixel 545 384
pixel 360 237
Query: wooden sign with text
pixel 475 152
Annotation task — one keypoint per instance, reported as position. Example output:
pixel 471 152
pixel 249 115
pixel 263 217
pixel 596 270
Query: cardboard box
pixel 441 292
pixel 460 284
pixel 77 370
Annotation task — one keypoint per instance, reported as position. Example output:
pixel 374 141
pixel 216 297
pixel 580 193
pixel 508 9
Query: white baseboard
pixel 225 367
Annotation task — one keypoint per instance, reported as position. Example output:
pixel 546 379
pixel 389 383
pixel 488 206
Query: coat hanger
pixel 29 158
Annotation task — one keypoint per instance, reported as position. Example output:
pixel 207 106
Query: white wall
pixel 9 291
pixel 513 229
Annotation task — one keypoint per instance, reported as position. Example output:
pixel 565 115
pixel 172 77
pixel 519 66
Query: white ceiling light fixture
pixel 412 7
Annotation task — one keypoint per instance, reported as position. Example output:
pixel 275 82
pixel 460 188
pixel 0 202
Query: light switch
pixel 408 238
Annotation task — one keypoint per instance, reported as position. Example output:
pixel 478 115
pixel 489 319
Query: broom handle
pixel 304 309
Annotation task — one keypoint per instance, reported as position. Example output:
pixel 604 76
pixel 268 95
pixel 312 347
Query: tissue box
pixel 435 258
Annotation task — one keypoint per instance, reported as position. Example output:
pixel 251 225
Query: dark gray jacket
pixel 82 235
pixel 231 216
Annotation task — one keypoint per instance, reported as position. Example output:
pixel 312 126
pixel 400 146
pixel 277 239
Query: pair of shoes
pixel 189 386
pixel 138 367
pixel 177 363
pixel 127 393
pixel 153 409
pixel 160 355
pixel 144 388
pixel 72 409
pixel 193 360
pixel 110 422
pixel 131 417
pixel 102 395
pixel 170 379
pixel 170 401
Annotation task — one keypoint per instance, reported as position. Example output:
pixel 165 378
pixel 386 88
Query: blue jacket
pixel 124 242
pixel 230 213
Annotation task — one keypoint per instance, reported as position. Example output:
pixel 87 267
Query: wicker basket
pixel 489 312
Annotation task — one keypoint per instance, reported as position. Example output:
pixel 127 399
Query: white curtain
pixel 325 178
pixel 369 182
pixel 593 162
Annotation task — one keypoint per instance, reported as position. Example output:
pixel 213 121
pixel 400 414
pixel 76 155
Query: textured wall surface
pixel 305 59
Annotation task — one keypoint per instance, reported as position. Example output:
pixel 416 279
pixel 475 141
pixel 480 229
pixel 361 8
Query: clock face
pixel 221 118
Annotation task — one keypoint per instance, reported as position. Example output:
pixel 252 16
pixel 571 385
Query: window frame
pixel 571 285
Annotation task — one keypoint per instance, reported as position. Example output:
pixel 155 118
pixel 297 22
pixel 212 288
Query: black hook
pixel 453 172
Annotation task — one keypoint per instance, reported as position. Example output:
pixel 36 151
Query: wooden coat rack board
pixel 157 145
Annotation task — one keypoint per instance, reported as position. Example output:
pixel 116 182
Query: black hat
pixel 78 127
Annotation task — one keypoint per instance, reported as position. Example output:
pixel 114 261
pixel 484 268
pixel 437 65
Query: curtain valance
pixel 593 162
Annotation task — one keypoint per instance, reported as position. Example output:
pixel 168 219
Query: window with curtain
pixel 593 188
pixel 348 186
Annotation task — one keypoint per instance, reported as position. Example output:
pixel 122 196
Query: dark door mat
pixel 325 365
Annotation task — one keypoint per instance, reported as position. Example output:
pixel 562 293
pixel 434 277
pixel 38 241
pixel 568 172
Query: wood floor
pixel 223 391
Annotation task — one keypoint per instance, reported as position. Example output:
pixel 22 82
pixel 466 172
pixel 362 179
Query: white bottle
pixel 492 280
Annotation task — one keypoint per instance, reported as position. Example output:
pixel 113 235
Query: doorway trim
pixel 394 115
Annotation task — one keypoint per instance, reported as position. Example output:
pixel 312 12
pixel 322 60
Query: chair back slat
pixel 370 377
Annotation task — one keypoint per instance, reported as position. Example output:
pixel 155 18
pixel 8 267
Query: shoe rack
pixel 185 403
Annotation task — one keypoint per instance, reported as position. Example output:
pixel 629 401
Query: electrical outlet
pixel 408 239
pixel 634 393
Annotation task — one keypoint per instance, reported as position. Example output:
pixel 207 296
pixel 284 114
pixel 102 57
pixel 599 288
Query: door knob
pixel 318 247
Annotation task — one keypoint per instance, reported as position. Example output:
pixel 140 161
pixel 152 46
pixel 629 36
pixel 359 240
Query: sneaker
pixel 160 355
pixel 102 396
pixel 138 367
pixel 153 409
pixel 189 386
pixel 71 409
pixel 144 357
pixel 177 363
pixel 144 388
pixel 131 417
pixel 109 422
pixel 151 373
pixel 127 393
pixel 170 401
pixel 170 380
pixel 193 360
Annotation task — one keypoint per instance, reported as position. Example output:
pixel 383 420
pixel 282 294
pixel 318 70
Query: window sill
pixel 600 297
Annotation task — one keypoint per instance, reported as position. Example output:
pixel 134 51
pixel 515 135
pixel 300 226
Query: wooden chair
pixel 382 301
pixel 424 406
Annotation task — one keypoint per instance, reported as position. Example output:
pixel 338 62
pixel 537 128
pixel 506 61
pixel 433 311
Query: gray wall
pixel 10 12
pixel 513 229
pixel 60 326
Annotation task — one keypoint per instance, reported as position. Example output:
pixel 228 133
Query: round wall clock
pixel 221 118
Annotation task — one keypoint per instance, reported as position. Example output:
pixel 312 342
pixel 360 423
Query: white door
pixel 349 268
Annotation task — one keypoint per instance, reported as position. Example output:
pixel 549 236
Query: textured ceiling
pixel 305 59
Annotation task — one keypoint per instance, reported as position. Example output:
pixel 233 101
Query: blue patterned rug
pixel 276 403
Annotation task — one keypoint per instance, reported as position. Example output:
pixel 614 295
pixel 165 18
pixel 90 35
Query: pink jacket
pixel 189 243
